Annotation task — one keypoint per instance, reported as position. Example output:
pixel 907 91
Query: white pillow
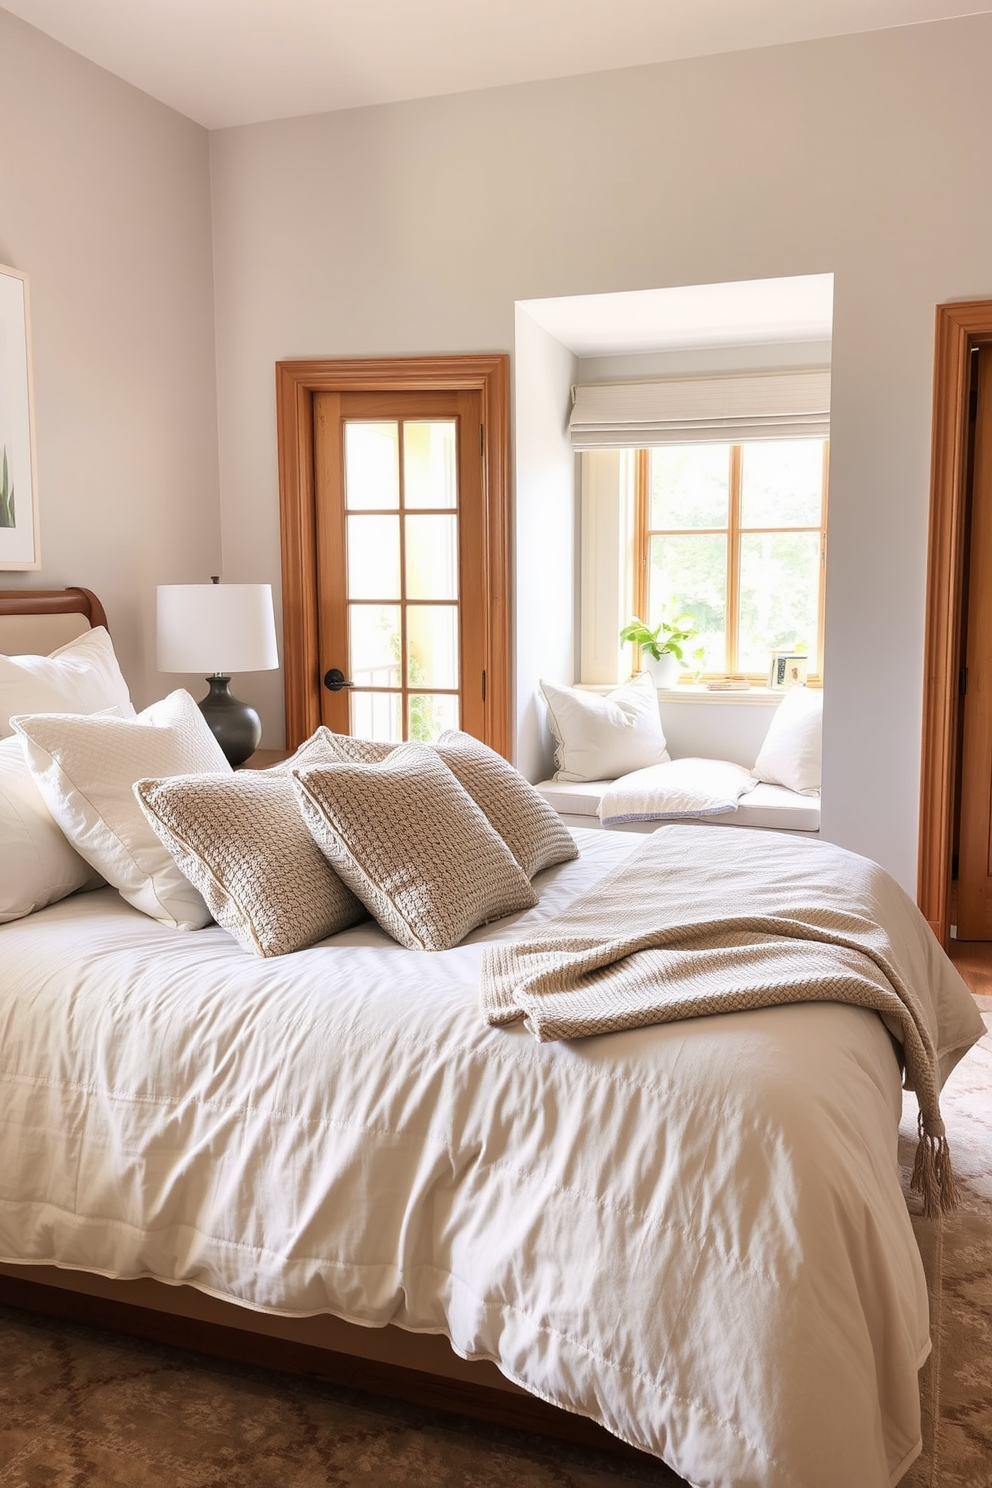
pixel 80 677
pixel 37 864
pixel 599 738
pixel 793 749
pixel 85 768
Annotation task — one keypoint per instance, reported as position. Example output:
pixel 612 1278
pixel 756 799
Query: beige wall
pixel 105 203
pixel 414 228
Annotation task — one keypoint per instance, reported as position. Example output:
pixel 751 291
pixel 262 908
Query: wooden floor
pixel 973 959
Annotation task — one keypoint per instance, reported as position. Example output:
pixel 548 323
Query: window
pixel 735 536
pixel 704 496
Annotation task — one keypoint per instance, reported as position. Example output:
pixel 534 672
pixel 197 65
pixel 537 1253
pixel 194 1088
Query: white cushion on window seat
pixel 766 806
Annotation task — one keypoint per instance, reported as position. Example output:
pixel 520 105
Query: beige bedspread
pixel 692 1232
pixel 766 922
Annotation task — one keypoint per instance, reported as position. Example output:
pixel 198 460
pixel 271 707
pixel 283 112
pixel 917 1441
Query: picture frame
pixel 19 547
pixel 788 669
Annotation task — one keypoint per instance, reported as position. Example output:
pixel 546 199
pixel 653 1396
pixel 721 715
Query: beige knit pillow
pixel 531 829
pixel 240 840
pixel 413 846
pixel 351 750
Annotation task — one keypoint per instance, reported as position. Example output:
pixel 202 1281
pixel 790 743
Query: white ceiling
pixel 747 313
pixel 224 62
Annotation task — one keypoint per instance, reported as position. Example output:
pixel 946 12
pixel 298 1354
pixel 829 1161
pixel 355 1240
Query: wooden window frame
pixel 297 382
pixel 643 533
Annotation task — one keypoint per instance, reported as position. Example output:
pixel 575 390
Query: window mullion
pixel 641 576
pixel 822 609
pixel 734 557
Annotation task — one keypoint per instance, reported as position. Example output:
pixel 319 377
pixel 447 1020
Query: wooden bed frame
pixel 420 1368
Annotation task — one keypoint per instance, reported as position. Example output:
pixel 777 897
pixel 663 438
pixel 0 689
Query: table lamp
pixel 218 629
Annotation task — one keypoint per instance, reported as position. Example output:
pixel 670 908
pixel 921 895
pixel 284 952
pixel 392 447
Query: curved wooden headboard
pixel 37 621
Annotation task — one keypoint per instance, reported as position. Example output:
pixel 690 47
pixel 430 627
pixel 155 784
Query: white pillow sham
pixel 600 738
pixel 37 864
pixel 85 768
pixel 80 677
pixel 792 752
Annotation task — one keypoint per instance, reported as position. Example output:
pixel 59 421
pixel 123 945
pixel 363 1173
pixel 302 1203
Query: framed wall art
pixel 18 493
pixel 788 669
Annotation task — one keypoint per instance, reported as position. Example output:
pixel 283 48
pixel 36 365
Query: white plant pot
pixel 666 671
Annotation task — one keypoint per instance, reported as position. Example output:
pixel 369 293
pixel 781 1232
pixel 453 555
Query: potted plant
pixel 661 647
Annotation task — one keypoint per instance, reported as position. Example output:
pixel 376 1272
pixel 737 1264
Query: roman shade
pixel 767 405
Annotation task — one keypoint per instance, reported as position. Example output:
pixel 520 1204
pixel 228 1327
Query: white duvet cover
pixel 692 1233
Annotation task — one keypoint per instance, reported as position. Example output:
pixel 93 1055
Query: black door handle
pixel 335 680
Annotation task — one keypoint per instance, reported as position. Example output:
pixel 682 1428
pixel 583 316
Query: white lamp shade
pixel 216 628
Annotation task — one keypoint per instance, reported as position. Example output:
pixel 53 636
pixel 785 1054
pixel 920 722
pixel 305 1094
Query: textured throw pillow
pixel 413 845
pixel 599 738
pixel 243 843
pixel 792 752
pixel 85 768
pixel 37 865
pixel 353 751
pixel 531 829
pixel 80 677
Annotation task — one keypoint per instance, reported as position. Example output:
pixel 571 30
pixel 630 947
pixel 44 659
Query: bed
pixel 692 1234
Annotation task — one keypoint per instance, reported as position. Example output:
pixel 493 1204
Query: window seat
pixel 769 806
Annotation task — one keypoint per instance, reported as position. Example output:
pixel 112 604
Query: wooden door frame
pixel 296 384
pixel 960 327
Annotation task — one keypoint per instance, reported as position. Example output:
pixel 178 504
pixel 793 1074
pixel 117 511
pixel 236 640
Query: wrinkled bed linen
pixel 694 1233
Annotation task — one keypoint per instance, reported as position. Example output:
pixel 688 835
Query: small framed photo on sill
pixel 788 669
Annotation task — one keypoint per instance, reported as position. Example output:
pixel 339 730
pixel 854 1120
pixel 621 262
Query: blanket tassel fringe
pixel 932 1175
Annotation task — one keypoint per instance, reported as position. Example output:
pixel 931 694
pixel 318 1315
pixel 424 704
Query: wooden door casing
pixel 960 327
pixel 297 384
pixel 974 906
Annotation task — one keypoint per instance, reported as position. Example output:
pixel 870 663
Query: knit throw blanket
pixel 703 920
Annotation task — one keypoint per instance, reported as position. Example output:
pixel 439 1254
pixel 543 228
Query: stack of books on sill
pixel 729 684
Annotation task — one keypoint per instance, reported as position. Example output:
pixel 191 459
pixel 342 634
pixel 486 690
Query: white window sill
pixel 700 693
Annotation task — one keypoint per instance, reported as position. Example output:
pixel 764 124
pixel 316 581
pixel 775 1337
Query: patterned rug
pixel 80 1409
pixel 956 1382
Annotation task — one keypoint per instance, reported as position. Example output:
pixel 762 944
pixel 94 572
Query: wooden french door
pixel 974 910
pixel 400 563
pixel 395 528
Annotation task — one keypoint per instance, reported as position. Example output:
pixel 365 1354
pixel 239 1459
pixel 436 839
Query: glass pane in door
pixel 376 645
pixel 377 715
pixel 432 557
pixel 374 558
pixel 430 468
pixel 371 466
pixel 403 598
pixel 430 715
pixel 432 645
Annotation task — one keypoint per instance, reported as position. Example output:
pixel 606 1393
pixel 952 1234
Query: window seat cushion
pixel 775 806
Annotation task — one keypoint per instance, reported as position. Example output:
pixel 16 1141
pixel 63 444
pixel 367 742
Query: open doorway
pixel 961 330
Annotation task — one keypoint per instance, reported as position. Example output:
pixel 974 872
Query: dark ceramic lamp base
pixel 236 726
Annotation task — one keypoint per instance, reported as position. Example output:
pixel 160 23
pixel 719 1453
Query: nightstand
pixel 263 758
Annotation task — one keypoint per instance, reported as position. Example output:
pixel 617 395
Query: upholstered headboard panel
pixel 35 622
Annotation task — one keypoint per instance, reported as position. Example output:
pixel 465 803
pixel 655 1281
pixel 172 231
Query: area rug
pixel 80 1409
pixel 956 1382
